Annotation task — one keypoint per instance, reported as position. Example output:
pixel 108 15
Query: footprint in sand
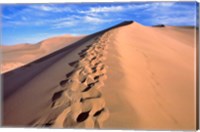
pixel 60 98
pixel 81 97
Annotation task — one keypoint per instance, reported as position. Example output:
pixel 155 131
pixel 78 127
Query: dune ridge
pixel 80 94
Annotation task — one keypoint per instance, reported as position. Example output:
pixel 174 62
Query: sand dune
pixel 155 75
pixel 22 54
pixel 128 77
pixel 81 91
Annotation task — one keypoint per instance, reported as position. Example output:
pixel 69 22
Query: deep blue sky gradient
pixel 31 23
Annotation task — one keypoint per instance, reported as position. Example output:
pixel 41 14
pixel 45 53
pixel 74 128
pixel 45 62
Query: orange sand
pixel 129 77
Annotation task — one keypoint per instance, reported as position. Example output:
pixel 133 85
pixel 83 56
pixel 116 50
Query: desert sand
pixel 126 77
pixel 18 55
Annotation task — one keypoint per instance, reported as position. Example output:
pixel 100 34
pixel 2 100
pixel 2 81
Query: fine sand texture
pixel 126 77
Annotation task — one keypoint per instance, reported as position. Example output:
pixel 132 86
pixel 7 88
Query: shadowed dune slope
pixel 126 77
pixel 37 82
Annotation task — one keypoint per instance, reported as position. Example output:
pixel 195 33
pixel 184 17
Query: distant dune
pixel 129 76
pixel 21 54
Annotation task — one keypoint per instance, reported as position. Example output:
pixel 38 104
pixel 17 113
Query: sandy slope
pixel 151 78
pixel 21 54
pixel 131 77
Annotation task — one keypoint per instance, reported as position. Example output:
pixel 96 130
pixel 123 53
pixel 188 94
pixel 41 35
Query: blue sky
pixel 31 23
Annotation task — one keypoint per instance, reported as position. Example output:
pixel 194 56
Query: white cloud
pixel 50 8
pixel 102 9
pixel 6 17
pixel 174 20
pixel 164 4
pixel 24 18
pixel 16 23
pixel 37 15
pixel 93 19
pixel 169 13
pixel 65 24
pixel 25 23
pixel 107 9
pixel 75 20
pixel 138 6
pixel 28 12
pixel 42 7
